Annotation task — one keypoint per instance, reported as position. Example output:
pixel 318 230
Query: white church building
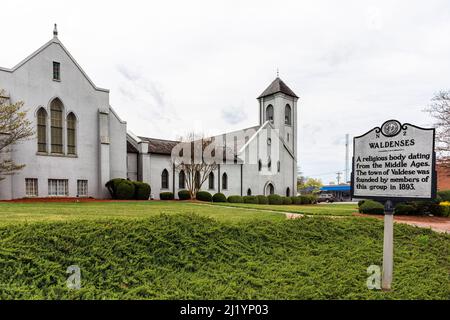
pixel 81 142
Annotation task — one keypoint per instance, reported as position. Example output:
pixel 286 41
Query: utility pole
pixel 339 177
pixel 347 157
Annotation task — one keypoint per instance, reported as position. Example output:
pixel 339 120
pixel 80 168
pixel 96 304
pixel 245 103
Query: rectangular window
pixel 31 187
pixel 56 71
pixel 82 188
pixel 58 187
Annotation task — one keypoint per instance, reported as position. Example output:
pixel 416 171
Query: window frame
pixel 71 134
pixel 56 71
pixel 84 188
pixel 211 181
pixel 268 117
pixel 59 185
pixel 165 179
pixel 287 115
pixel 42 118
pixel 34 186
pixel 224 181
pixel 56 126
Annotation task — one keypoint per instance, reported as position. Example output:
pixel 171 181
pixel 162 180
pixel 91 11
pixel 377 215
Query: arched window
pixel 288 192
pixel 259 165
pixel 249 192
pixel 269 113
pixel 71 134
pixel 42 130
pixel 56 109
pixel 165 179
pixel 211 180
pixel 224 181
pixel 182 180
pixel 287 115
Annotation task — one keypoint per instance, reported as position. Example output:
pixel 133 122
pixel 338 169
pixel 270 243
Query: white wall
pixel 32 83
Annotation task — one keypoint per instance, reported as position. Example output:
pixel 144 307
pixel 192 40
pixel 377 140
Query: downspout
pixel 242 192
pixel 218 180
pixel 173 180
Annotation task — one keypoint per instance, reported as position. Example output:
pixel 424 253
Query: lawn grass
pixel 331 209
pixel 13 213
pixel 184 250
pixel 189 256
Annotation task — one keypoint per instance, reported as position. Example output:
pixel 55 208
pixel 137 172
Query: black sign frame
pixel 393 198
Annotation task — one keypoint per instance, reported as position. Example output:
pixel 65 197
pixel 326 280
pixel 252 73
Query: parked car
pixel 326 197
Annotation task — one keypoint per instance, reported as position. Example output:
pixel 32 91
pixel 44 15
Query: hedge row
pixel 220 197
pixel 122 189
pixel 413 208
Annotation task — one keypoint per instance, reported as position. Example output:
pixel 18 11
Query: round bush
pixel 262 200
pixel 142 190
pixel 184 195
pixel 296 200
pixel 404 209
pixel 371 207
pixel 275 199
pixel 235 199
pixel 287 200
pixel 112 184
pixel 166 196
pixel 125 190
pixel 204 196
pixel 251 199
pixel 219 197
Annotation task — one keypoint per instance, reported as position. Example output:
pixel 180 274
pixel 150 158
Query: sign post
pixel 388 245
pixel 391 164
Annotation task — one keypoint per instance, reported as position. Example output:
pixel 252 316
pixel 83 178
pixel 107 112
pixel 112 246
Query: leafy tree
pixel 14 128
pixel 304 183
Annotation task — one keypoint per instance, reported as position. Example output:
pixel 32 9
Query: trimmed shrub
pixel 296 200
pixel 287 200
pixel 204 196
pixel 404 209
pixel 444 195
pixel 275 199
pixel 307 199
pixel 371 207
pixel 112 184
pixel 251 199
pixel 235 199
pixel 166 196
pixel 262 200
pixel 125 190
pixel 360 202
pixel 219 197
pixel 142 190
pixel 184 195
pixel 445 208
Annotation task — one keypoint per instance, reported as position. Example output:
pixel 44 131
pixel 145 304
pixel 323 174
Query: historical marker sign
pixel 394 162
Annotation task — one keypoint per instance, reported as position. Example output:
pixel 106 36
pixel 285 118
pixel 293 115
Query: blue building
pixel 340 192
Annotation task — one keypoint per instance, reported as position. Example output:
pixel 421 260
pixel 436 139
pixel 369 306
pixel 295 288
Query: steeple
pixel 277 86
pixel 55 31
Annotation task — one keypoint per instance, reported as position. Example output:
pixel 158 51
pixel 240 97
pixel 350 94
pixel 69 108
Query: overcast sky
pixel 176 66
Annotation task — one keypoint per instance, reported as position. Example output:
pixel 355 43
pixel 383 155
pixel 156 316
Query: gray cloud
pixel 234 115
pixel 174 65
